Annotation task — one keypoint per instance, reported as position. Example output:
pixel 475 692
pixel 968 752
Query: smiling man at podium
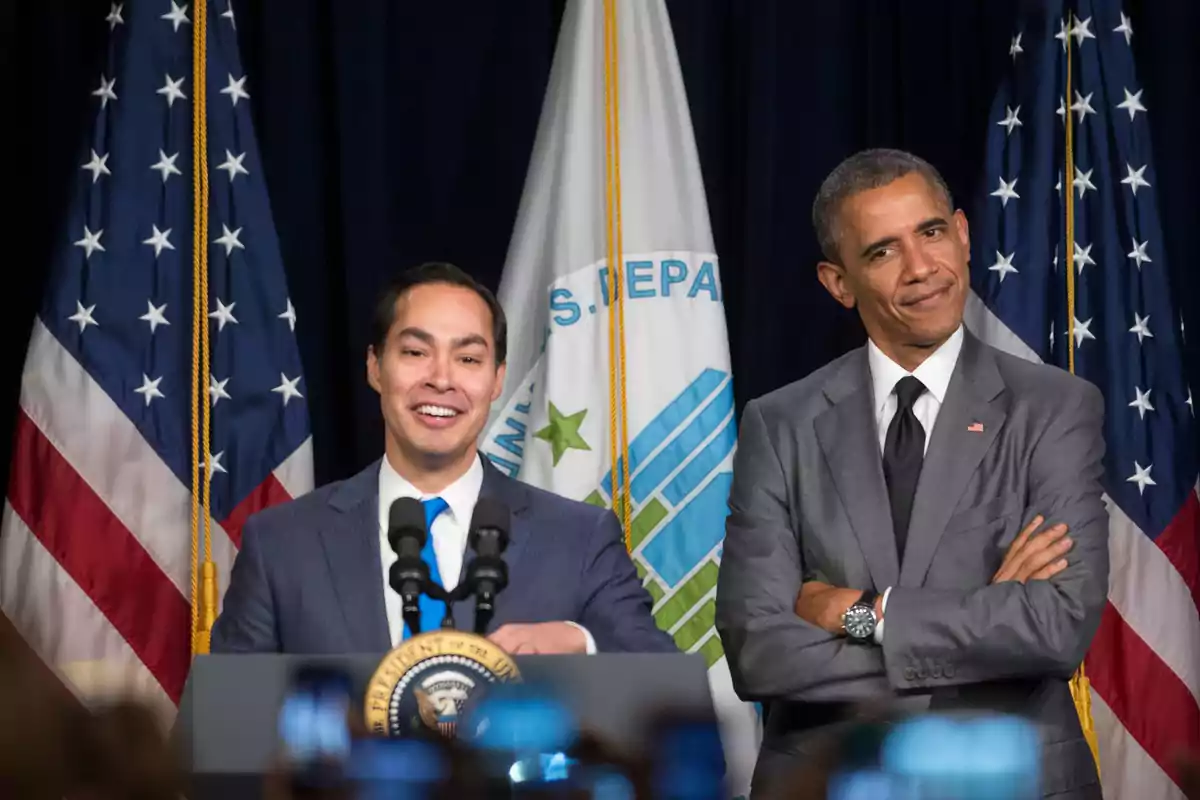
pixel 312 574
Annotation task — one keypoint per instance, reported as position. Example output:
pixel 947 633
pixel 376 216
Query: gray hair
pixel 868 169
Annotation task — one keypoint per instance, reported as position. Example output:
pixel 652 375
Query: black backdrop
pixel 393 133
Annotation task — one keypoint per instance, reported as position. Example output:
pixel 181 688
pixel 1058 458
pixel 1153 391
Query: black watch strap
pixel 868 598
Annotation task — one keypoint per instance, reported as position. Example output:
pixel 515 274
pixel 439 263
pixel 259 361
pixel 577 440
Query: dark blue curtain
pixel 394 133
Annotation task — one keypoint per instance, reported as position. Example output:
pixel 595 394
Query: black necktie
pixel 903 453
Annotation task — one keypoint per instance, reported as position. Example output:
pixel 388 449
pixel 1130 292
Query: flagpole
pixel 1080 687
pixel 617 388
pixel 204 575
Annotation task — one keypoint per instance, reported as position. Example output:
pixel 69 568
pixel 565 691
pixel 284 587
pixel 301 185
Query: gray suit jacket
pixel 809 501
pixel 308 578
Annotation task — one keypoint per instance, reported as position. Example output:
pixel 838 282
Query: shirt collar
pixel 934 372
pixel 460 496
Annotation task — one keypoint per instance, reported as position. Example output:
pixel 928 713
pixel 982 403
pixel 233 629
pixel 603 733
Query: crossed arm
pixel 1037 616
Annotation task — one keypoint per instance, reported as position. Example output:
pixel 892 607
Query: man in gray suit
pixel 311 573
pixel 920 522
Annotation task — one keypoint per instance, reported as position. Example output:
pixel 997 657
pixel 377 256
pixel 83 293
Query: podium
pixel 227 736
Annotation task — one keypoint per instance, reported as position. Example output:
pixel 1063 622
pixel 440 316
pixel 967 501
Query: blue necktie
pixel 432 610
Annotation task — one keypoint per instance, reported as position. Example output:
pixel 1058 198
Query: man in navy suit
pixel 311 576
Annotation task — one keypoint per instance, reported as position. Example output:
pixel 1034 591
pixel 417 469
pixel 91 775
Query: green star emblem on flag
pixel 563 432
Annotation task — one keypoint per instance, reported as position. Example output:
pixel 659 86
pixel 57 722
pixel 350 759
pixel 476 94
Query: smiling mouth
pixel 934 294
pixel 439 412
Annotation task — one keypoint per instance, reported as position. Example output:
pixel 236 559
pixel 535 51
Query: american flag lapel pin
pixel 975 427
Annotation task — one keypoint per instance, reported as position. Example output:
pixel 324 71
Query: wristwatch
pixel 859 620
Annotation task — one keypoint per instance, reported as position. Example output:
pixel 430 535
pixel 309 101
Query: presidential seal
pixel 428 682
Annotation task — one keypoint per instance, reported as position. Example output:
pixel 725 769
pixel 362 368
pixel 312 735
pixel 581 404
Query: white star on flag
pixel 233 165
pixel 229 239
pixel 216 390
pixel 289 314
pixel 154 315
pixel 90 241
pixel 1083 105
pixel 1139 253
pixel 1189 402
pixel 1003 265
pixel 1140 327
pixel 287 387
pixel 1142 401
pixel 1082 332
pixel 159 241
pixel 1141 477
pixel 1080 31
pixel 105 92
pixel 83 316
pixel 171 89
pixel 97 165
pixel 1083 257
pixel 177 15
pixel 216 463
pixel 1124 28
pixel 1132 103
pixel 1015 47
pixel 236 89
pixel 1011 120
pixel 149 388
pixel 1062 33
pixel 166 165
pixel 1006 191
pixel 228 14
pixel 1135 179
pixel 114 17
pixel 1083 181
pixel 223 314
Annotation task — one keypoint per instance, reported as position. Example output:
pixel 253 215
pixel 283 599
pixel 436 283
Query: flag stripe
pixel 1143 693
pixel 1178 544
pixel 1153 598
pixel 69 407
pixel 84 652
pixel 266 494
pixel 1128 770
pixel 108 563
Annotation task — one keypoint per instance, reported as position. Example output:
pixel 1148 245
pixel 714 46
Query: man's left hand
pixel 823 605
pixel 540 638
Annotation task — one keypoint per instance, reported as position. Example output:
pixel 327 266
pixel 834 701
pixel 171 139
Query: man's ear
pixel 373 369
pixel 498 389
pixel 963 230
pixel 833 278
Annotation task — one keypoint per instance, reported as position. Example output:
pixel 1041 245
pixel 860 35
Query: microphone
pixel 409 574
pixel 487 573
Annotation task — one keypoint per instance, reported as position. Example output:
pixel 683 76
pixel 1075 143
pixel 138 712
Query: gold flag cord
pixel 1080 692
pixel 617 397
pixel 204 575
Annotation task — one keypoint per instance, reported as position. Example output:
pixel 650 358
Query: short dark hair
pixel 434 272
pixel 868 169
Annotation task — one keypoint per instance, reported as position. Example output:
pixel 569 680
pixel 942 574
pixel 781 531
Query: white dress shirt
pixel 935 373
pixel 449 530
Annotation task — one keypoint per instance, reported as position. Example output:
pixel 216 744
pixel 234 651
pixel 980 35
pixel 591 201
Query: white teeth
pixel 437 411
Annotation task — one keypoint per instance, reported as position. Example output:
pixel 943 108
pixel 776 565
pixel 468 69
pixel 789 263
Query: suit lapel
pixel 352 549
pixel 515 495
pixel 955 450
pixel 847 435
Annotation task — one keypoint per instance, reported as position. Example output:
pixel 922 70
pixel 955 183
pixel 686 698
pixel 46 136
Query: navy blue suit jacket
pixel 309 579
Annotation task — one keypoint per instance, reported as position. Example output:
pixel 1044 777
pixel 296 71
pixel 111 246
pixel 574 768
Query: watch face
pixel 860 622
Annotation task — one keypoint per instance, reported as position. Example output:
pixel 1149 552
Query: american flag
pixel 95 550
pixel 1127 337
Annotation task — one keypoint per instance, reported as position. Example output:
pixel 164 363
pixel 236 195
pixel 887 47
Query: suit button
pixel 909 673
pixel 949 671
